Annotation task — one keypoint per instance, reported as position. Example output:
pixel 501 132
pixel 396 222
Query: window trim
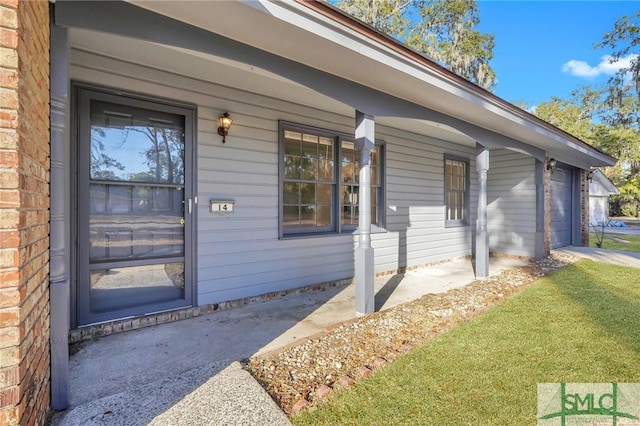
pixel 467 193
pixel 337 228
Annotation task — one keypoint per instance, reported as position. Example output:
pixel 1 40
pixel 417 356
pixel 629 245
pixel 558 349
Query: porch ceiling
pixel 341 51
pixel 351 55
pixel 234 74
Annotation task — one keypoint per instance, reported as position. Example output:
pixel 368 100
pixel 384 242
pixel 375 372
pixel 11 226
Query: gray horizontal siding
pixel 415 202
pixel 240 255
pixel 511 199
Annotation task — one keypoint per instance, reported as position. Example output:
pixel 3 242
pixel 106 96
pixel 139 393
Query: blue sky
pixel 545 48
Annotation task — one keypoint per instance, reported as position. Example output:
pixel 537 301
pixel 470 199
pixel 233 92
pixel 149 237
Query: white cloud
pixel 583 69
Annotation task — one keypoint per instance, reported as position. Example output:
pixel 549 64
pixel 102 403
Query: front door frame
pixel 190 200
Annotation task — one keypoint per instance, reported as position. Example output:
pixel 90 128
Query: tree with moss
pixel 608 116
pixel 443 30
pixel 624 41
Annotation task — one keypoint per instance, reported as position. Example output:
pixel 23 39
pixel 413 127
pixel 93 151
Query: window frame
pixel 465 221
pixel 336 207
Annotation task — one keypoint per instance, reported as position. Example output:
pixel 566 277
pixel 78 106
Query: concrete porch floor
pixel 185 372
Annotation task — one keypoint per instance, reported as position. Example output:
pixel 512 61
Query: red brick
pixel 322 392
pixel 8 415
pixel 9 318
pixel 301 405
pixel 9 278
pixel 9 396
pixel 405 348
pixel 9 199
pixel 9 3
pixel 10 219
pixel 24 215
pixel 379 363
pixel 393 355
pixel 9 377
pixel 8 137
pixel 8 119
pixel 8 78
pixel 9 179
pixel 9 238
pixel 10 356
pixel 8 38
pixel 8 258
pixel 9 16
pixel 8 159
pixel 346 381
pixel 364 372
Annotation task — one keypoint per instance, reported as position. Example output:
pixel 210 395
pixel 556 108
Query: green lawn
pixel 581 324
pixel 613 242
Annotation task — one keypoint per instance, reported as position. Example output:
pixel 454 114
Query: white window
pixel 319 181
pixel 456 191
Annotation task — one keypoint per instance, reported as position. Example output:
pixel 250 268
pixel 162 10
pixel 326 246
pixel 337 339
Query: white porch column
pixel 540 251
pixel 482 234
pixel 364 260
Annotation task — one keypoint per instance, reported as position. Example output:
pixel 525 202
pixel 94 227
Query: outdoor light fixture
pixel 590 174
pixel 551 164
pixel 224 123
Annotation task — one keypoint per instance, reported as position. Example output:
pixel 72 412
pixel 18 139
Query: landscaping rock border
pixel 300 376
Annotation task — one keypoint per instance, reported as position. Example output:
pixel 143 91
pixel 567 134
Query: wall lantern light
pixel 590 174
pixel 551 164
pixel 224 123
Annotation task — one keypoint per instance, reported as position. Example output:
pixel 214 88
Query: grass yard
pixel 580 324
pixel 613 242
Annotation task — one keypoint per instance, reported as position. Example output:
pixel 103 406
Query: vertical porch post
pixel 364 260
pixel 60 239
pixel 482 234
pixel 540 251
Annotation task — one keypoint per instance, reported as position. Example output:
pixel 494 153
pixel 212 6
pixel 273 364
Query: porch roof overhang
pixel 341 58
pixel 602 185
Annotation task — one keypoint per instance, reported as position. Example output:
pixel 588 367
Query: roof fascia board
pixel 570 160
pixel 605 182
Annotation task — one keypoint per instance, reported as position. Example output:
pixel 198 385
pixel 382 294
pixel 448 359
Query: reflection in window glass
pixel 142 222
pixel 309 179
pixel 314 192
pixel 456 191
pixel 350 187
pixel 134 144
pixel 121 288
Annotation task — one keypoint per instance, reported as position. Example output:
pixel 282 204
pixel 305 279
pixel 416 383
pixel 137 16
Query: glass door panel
pixel 132 198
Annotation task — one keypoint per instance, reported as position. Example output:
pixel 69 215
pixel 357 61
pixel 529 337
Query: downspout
pixel 60 231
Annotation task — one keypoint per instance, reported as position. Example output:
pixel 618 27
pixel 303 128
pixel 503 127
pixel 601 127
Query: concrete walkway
pixel 613 230
pixel 623 258
pixel 186 372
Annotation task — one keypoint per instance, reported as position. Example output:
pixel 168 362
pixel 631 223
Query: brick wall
pixel 584 206
pixel 24 212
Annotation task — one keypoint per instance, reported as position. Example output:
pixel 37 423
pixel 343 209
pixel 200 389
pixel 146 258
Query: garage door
pixel 561 202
